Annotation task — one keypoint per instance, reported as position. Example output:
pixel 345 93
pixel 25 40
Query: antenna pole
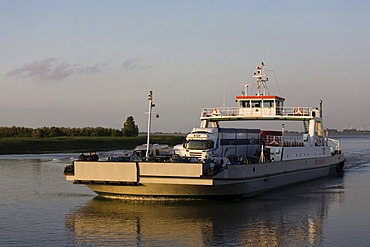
pixel 261 79
pixel 151 105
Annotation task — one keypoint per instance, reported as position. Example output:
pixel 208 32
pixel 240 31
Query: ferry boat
pixel 220 162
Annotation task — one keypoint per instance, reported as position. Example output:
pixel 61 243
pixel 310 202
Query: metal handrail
pixel 336 142
pixel 260 111
pixel 284 141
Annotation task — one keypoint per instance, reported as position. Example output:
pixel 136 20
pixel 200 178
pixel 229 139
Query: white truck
pixel 204 143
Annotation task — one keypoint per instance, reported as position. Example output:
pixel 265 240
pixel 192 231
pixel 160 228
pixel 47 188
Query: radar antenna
pixel 261 78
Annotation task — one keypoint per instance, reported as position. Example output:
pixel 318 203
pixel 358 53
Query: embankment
pixel 80 144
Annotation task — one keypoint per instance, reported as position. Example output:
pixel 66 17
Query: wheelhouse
pixel 260 105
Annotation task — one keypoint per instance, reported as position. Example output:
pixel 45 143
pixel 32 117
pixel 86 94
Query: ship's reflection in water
pixel 290 217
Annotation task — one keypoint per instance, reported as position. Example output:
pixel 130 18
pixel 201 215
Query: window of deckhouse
pixel 245 103
pixel 256 103
pixel 268 103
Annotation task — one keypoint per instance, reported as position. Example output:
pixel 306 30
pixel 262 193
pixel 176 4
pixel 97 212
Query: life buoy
pixel 214 112
pixel 298 111
pixel 274 143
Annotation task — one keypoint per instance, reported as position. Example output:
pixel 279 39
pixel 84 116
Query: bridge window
pixel 256 103
pixel 268 103
pixel 245 103
pixel 279 106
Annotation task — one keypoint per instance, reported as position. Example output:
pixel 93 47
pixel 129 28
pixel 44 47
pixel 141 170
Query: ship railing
pixel 225 111
pixel 220 111
pixel 296 111
pixel 284 141
pixel 336 143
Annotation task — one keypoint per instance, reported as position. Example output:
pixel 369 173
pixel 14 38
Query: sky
pixel 92 63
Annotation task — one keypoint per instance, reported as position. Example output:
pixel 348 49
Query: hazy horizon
pixel 93 63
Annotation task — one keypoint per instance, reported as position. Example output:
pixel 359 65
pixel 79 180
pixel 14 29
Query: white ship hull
pixel 234 181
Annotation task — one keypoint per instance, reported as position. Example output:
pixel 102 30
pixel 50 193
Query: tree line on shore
pixel 129 129
pixel 44 132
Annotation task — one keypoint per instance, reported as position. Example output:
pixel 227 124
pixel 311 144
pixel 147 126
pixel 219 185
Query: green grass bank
pixel 80 144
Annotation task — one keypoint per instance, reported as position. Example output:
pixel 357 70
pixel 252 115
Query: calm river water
pixel 39 208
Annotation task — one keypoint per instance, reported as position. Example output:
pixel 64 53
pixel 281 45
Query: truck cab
pixel 201 143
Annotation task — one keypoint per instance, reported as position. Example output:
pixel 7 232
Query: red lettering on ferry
pixel 320 162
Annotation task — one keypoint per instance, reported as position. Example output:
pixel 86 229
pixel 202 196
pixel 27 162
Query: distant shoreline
pixel 19 145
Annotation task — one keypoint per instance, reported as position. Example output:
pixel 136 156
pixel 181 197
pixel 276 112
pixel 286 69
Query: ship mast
pixel 261 78
pixel 245 92
pixel 151 105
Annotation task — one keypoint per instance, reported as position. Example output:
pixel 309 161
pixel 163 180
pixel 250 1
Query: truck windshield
pixel 199 144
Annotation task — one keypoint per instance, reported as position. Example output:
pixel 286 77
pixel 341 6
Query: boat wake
pixel 356 161
pixel 150 198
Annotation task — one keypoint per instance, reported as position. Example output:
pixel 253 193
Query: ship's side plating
pixel 193 179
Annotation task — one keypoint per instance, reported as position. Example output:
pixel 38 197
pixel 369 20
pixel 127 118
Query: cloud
pixel 95 68
pixel 134 64
pixel 46 69
pixel 52 69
